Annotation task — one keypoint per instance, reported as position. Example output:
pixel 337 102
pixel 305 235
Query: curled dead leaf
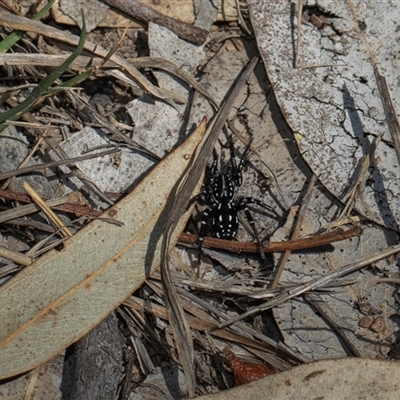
pixel 244 372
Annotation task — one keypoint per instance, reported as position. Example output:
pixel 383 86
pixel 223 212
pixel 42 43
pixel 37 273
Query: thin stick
pixel 209 242
pixel 336 322
pixel 299 16
pixel 315 284
pixel 359 184
pixel 296 230
pixel 59 204
pixel 298 244
pixel 28 209
pixel 47 211
pixel 15 256
pixel 38 167
pixel 143 13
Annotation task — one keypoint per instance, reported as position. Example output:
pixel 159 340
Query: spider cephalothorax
pixel 222 202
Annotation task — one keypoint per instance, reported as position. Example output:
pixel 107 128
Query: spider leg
pixel 256 235
pixel 214 165
pixel 251 200
pixel 242 205
pixel 244 156
pixel 201 195
pixel 207 190
pixel 234 172
pixel 203 230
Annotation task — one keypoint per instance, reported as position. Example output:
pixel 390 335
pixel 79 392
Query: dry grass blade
pixel 62 295
pixel 52 164
pixel 182 196
pixel 15 256
pixel 359 183
pixel 47 211
pixel 66 204
pixel 212 315
pixel 52 60
pixel 15 36
pixel 166 65
pixel 208 324
pixel 317 283
pixel 49 60
pixel 296 230
pixel 15 22
pixel 44 85
pixel 337 322
pixel 176 315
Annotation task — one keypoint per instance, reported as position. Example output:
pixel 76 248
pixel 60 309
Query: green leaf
pixel 13 37
pixel 16 112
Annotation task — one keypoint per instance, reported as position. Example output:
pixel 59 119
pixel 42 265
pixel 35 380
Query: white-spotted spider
pixel 222 203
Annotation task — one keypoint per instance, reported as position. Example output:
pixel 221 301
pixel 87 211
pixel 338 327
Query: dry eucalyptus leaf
pixel 177 52
pixel 94 10
pixel 183 10
pixel 331 100
pixel 60 297
pixel 157 124
pixel 305 329
pixel 344 378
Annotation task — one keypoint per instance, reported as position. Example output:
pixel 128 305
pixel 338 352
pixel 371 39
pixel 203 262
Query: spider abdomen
pixel 224 221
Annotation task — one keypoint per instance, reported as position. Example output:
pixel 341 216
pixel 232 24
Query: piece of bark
pixel 93 367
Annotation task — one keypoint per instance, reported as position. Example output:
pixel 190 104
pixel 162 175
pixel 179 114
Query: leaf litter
pixel 316 308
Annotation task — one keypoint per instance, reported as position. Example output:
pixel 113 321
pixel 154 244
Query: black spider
pixel 222 203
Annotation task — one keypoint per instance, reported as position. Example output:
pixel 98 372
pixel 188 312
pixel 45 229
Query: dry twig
pixel 296 231
pixel 143 13
pixel 298 244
